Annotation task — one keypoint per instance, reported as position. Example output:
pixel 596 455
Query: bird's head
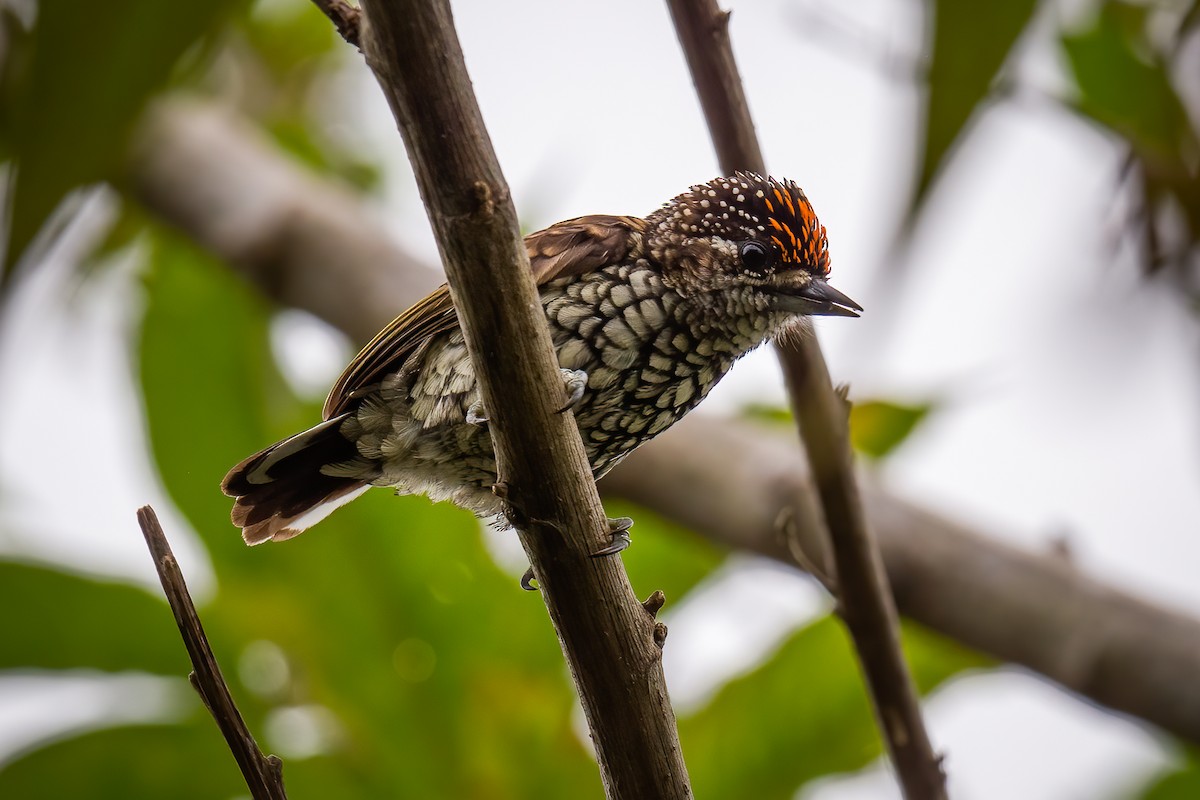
pixel 747 243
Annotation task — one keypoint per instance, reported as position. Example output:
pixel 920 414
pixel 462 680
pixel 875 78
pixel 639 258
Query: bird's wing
pixel 573 247
pixel 386 353
pixel 581 245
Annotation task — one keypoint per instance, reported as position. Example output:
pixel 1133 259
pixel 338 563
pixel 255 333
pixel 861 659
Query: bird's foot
pixel 619 540
pixel 618 530
pixel 515 514
pixel 574 382
pixel 476 414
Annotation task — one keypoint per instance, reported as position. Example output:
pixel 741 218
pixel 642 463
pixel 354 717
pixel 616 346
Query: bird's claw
pixel 575 382
pixel 620 524
pixel 527 581
pixel 619 542
pixel 619 530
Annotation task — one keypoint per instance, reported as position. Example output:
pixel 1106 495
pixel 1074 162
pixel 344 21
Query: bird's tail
pixel 282 490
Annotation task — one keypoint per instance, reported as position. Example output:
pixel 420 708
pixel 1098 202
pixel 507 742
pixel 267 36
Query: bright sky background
pixel 1069 391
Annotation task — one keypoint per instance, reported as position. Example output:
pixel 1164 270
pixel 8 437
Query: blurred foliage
pixel 65 126
pixel 284 51
pixel 166 760
pixel 1127 82
pixel 1123 84
pixel 436 675
pixel 419 665
pixel 80 632
pixel 1182 784
pixel 971 42
pixel 1124 75
pixel 802 714
pixel 877 427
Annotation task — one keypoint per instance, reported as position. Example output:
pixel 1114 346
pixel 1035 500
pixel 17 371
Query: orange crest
pixel 749 206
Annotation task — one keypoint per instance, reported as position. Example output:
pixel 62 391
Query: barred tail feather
pixel 282 490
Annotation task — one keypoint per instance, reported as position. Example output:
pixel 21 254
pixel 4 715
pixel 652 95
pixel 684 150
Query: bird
pixel 646 315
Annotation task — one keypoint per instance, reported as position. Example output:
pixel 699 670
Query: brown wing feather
pixel 581 245
pixel 573 247
pixel 391 346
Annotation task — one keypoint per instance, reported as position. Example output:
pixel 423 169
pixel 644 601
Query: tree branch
pixel 724 480
pixel 729 481
pixel 864 598
pixel 307 242
pixel 345 17
pixel 263 774
pixel 611 643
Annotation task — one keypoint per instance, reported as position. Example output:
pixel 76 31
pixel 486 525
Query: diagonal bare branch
pixel 612 645
pixel 263 774
pixel 864 597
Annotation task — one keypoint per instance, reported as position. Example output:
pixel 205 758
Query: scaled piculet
pixel 646 315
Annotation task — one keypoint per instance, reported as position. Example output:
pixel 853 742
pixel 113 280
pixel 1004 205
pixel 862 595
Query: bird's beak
pixel 818 299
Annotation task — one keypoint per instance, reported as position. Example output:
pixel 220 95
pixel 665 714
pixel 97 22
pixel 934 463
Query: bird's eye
pixel 757 258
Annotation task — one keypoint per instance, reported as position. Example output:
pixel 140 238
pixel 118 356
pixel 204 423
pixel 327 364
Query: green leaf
pixel 802 714
pixel 92 69
pixel 1125 87
pixel 213 392
pixel 971 41
pixel 130 223
pixel 182 762
pixel 1181 784
pixel 765 412
pixel 290 39
pixel 60 621
pixel 302 142
pixel 877 427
